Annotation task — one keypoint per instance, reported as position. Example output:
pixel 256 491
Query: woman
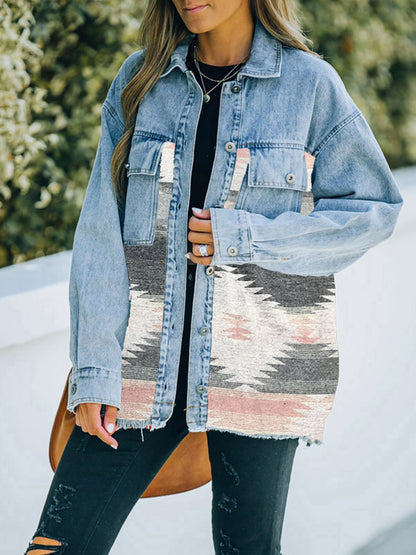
pixel 208 303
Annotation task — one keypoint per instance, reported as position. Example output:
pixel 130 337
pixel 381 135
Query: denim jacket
pixel 263 358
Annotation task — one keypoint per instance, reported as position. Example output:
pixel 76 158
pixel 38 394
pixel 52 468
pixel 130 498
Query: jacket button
pixel 204 330
pixel 73 388
pixel 201 388
pixel 232 251
pixel 230 147
pixel 209 270
pixel 290 178
pixel 236 88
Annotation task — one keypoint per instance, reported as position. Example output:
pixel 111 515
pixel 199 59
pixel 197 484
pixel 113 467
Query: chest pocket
pixel 275 181
pixel 142 191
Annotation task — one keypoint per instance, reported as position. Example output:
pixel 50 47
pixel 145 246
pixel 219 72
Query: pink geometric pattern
pixel 274 356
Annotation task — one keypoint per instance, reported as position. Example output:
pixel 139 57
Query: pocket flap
pixel 282 167
pixel 144 155
pixel 143 171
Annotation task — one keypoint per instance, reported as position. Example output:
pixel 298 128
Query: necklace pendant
pixel 206 97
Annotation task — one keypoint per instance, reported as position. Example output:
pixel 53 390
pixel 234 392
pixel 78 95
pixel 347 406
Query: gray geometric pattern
pixel 287 289
pixel 146 267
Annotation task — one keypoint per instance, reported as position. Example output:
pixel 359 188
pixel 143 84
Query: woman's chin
pixel 198 27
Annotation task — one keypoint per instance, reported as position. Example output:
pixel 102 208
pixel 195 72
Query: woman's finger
pixel 198 224
pixel 110 417
pixel 198 237
pixel 95 426
pixel 197 252
pixel 202 213
pixel 204 260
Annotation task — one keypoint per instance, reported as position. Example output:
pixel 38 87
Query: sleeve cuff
pixel 231 235
pixel 94 385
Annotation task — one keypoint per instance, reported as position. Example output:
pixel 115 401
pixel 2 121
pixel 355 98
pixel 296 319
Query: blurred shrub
pixel 21 136
pixel 372 44
pixel 58 57
pixel 52 119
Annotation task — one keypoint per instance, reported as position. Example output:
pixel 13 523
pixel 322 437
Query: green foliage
pixel 372 44
pixel 61 56
pixel 58 57
pixel 21 137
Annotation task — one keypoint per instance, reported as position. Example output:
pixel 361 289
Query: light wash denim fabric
pixel 283 103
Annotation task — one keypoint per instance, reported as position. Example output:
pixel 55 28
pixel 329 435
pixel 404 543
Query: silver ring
pixel 203 250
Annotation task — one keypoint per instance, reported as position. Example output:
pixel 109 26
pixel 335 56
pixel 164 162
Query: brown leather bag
pixel 188 467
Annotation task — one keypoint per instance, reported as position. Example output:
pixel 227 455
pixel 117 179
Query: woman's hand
pixel 201 234
pixel 88 416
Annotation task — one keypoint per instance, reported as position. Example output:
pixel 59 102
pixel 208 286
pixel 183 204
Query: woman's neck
pixel 225 47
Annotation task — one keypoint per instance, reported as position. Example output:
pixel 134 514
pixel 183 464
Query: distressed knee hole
pixel 43 546
pixel 226 503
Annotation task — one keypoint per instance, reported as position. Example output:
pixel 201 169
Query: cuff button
pixel 232 251
pixel 73 389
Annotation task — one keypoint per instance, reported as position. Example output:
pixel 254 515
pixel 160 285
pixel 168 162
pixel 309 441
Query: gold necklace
pixel 206 97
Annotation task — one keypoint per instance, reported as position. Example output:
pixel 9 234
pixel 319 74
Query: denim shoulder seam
pixel 336 129
pixel 111 111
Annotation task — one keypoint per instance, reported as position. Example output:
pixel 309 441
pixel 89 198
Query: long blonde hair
pixel 160 32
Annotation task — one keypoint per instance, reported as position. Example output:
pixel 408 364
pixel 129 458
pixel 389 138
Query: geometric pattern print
pixel 274 359
pixel 274 363
pixel 146 268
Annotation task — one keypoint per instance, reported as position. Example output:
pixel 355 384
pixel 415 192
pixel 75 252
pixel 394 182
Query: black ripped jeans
pixel 95 487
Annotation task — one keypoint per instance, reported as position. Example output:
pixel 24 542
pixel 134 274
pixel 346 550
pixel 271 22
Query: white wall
pixel 342 493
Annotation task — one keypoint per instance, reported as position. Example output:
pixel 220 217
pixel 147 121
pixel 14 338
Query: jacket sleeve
pixel 356 205
pixel 99 285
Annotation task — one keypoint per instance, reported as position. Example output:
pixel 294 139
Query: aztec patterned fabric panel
pixel 146 270
pixel 274 325
pixel 274 358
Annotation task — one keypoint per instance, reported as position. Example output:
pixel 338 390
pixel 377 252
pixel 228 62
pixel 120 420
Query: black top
pixel 204 153
pixel 206 135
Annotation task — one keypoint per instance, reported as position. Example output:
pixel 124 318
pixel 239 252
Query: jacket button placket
pixel 200 368
pixel 177 272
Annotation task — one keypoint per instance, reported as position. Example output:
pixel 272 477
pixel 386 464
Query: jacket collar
pixel 265 57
